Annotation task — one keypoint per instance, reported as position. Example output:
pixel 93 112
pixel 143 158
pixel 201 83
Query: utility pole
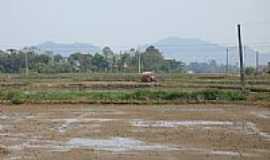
pixel 139 60
pixel 120 60
pixel 242 72
pixel 26 64
pixel 257 63
pixel 227 60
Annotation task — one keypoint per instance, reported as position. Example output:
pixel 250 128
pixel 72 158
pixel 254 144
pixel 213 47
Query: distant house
pixel 190 72
pixel 10 51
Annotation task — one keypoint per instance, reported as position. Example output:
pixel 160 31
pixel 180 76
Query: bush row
pixel 144 96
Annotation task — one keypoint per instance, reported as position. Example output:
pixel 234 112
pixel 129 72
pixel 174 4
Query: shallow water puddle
pixel 3 117
pixel 18 158
pixel 85 120
pixel 262 114
pixel 251 128
pixel 39 144
pixel 73 122
pixel 192 110
pixel 245 127
pixel 116 144
pixel 227 153
pixel 173 124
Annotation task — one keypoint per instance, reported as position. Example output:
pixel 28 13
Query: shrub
pixel 17 97
pixel 250 71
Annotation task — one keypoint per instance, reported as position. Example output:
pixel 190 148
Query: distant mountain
pixel 196 50
pixel 67 49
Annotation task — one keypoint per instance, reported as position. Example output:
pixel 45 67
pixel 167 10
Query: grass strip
pixel 138 96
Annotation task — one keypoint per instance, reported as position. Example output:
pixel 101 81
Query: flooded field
pixel 152 132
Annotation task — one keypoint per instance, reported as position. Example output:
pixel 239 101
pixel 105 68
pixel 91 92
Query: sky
pixel 129 23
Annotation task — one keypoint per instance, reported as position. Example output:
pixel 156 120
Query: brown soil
pixel 81 85
pixel 188 131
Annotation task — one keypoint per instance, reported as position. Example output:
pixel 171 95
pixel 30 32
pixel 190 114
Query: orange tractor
pixel 149 77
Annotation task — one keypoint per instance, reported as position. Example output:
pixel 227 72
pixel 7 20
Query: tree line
pixel 151 59
pixel 16 61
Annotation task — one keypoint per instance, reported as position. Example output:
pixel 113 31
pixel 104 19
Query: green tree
pixel 58 58
pixel 152 59
pixel 268 68
pixel 172 66
pixel 109 56
pixel 81 62
pixel 125 62
pixel 99 62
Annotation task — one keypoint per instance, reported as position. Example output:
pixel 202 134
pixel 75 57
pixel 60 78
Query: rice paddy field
pixel 116 116
pixel 128 88
pixel 135 132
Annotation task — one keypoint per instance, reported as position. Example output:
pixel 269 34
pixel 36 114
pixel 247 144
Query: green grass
pixel 172 88
pixel 141 96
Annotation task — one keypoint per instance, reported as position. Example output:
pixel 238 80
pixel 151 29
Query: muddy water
pixel 173 124
pixel 244 127
pixel 135 132
pixel 116 144
pixel 262 114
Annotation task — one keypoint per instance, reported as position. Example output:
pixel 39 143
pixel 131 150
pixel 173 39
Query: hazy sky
pixel 131 22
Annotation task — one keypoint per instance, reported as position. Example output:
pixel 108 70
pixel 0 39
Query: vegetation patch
pixel 141 96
